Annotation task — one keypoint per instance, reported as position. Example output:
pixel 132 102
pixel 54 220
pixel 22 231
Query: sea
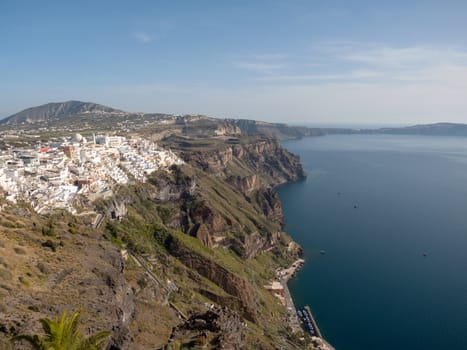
pixel 382 220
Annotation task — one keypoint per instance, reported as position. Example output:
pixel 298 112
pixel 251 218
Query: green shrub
pixel 48 231
pixel 50 244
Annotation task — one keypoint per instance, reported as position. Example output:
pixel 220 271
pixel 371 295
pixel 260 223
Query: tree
pixel 63 334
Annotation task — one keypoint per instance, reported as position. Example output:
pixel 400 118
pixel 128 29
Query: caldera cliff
pixel 180 260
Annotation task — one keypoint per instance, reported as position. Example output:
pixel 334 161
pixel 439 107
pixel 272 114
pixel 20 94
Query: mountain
pixel 437 129
pixel 59 110
pixel 85 116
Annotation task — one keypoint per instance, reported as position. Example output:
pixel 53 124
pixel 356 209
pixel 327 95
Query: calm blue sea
pixel 377 205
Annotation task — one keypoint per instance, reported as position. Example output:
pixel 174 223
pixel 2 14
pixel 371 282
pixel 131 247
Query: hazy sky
pixel 319 61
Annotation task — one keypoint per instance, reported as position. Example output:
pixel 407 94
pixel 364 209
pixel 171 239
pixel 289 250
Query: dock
pixel 313 322
pixel 302 319
pixel 311 326
pixel 293 319
pixel 284 275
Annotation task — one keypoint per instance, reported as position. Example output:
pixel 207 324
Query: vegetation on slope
pixel 63 334
pixel 186 263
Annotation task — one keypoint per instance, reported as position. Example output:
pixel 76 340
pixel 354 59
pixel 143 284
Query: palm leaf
pixel 46 325
pixel 71 331
pixel 63 334
pixel 94 342
pixel 34 340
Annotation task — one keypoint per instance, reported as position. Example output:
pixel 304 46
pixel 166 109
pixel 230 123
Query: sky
pixel 311 61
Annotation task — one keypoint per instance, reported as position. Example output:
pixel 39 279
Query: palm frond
pixel 94 342
pixel 63 334
pixel 34 340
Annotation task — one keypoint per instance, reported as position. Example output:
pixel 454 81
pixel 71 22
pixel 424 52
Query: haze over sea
pixel 374 288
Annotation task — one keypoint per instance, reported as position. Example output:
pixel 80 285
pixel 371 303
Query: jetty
pixel 298 320
pixel 309 323
pixel 293 319
pixel 283 293
pixel 313 322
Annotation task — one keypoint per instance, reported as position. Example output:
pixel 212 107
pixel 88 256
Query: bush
pixel 112 229
pixel 172 244
pixel 48 231
pixel 238 248
pixel 165 213
pixel 160 234
pixel 142 283
pixel 19 250
pixel 50 244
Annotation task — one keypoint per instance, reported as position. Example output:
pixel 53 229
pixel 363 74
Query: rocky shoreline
pixel 285 275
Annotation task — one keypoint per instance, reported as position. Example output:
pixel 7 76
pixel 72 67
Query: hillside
pixel 184 263
pixel 437 129
pixel 86 117
pixel 57 111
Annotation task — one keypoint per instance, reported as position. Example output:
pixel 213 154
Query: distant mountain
pixel 438 129
pixel 275 130
pixel 87 113
pixel 60 110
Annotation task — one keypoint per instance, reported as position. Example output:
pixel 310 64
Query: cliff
pixel 237 156
pixel 437 129
pixel 242 200
pixel 183 263
pixel 278 131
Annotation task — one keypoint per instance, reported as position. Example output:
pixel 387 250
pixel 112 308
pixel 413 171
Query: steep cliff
pixel 224 202
pixel 179 260
pixel 234 191
pixel 241 157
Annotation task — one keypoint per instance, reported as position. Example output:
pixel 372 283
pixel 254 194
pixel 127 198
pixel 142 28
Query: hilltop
pixel 59 110
pixel 86 117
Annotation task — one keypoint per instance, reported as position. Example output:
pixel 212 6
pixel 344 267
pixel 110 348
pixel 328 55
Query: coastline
pixel 284 276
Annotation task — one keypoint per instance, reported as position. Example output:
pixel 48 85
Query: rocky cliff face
pixel 273 130
pixel 241 200
pixel 262 158
pixel 244 300
pixel 196 245
pixel 220 326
